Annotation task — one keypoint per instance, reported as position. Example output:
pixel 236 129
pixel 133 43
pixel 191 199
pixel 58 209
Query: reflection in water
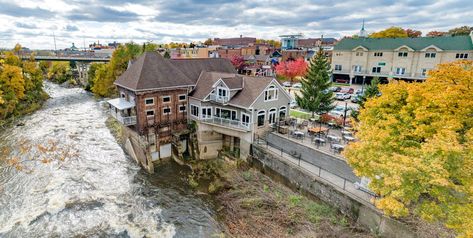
pixel 96 191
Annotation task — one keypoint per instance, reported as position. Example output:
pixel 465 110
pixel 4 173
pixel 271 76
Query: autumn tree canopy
pixel 238 62
pixel 291 69
pixel 392 32
pixel 416 146
pixel 436 33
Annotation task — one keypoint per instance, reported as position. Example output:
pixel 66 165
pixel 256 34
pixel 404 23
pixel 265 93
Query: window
pixel 149 101
pixel 271 93
pixel 149 113
pixel 424 72
pixel 376 70
pixel 400 71
pixel 282 112
pixel 206 112
pixel 225 113
pixel 378 54
pixel 222 92
pixel 182 108
pixel 245 119
pixel 272 116
pixel 338 67
pixel 261 115
pixel 338 54
pixel 357 68
pixel 122 95
pixel 195 110
pixel 359 53
pixel 166 110
pixel 182 97
pixel 462 56
pixel 402 54
pixel 166 98
pixel 430 55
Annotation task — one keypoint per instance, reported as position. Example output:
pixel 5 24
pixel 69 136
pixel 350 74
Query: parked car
pixel 356 98
pixel 293 104
pixel 348 90
pixel 338 111
pixel 359 92
pixel 297 85
pixel 335 89
pixel 286 84
pixel 342 96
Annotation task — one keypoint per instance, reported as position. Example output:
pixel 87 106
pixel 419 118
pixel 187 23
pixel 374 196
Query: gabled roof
pixel 193 67
pixel 419 43
pixel 152 71
pixel 252 87
pixel 235 82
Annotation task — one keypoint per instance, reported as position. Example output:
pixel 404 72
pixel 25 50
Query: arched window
pixel 271 93
pixel 261 117
pixel 272 115
pixel 282 113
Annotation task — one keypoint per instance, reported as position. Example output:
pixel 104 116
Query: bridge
pixel 68 58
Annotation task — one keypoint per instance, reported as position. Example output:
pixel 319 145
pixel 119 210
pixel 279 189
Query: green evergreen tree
pixel 315 95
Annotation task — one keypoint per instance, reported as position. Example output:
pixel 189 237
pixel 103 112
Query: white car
pixel 297 85
pixel 286 84
pixel 342 96
pixel 338 111
pixel 293 104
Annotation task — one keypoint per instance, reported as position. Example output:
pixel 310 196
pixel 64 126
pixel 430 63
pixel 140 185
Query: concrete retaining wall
pixel 365 214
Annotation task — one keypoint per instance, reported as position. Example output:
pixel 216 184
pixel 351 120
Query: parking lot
pixel 294 91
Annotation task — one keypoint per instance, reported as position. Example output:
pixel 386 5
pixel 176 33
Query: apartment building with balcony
pixel 153 100
pixel 358 60
pixel 229 109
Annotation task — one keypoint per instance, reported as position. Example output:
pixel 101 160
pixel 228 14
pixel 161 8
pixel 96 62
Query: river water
pixel 76 181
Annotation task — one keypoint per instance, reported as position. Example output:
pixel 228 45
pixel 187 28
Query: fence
pixel 351 187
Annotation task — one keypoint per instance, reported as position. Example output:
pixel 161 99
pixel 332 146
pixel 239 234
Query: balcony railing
pixel 125 120
pixel 228 123
pixel 219 99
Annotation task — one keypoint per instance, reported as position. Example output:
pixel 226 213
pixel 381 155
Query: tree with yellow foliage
pixel 391 32
pixel 416 146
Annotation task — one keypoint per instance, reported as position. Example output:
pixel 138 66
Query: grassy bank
pixel 250 204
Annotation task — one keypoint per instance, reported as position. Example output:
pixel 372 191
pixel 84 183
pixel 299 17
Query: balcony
pixel 236 124
pixel 219 99
pixel 121 109
pixel 125 120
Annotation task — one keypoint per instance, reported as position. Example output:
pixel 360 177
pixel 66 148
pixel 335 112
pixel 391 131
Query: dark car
pixel 335 89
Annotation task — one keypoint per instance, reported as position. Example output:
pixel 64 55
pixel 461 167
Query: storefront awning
pixel 121 103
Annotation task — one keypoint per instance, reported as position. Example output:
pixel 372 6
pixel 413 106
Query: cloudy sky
pixel 32 23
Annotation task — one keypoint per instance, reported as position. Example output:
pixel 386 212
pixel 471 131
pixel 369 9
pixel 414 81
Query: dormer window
pixel 271 93
pixel 222 92
pixel 430 55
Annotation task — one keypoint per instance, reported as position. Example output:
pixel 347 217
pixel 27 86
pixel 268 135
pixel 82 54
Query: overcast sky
pixel 33 22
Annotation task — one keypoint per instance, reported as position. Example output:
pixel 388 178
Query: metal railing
pixel 351 187
pixel 127 121
pixel 228 122
pixel 219 99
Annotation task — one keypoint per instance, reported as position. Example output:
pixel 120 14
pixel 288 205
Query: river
pixel 76 180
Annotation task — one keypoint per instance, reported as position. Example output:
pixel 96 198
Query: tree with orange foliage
pixel 292 69
pixel 416 146
pixel 436 33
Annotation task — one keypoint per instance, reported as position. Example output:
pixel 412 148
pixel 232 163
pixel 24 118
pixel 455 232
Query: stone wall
pixel 292 176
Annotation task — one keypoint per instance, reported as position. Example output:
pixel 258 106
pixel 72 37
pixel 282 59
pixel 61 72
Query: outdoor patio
pixel 327 137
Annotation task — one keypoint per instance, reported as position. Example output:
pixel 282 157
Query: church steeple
pixel 363 31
